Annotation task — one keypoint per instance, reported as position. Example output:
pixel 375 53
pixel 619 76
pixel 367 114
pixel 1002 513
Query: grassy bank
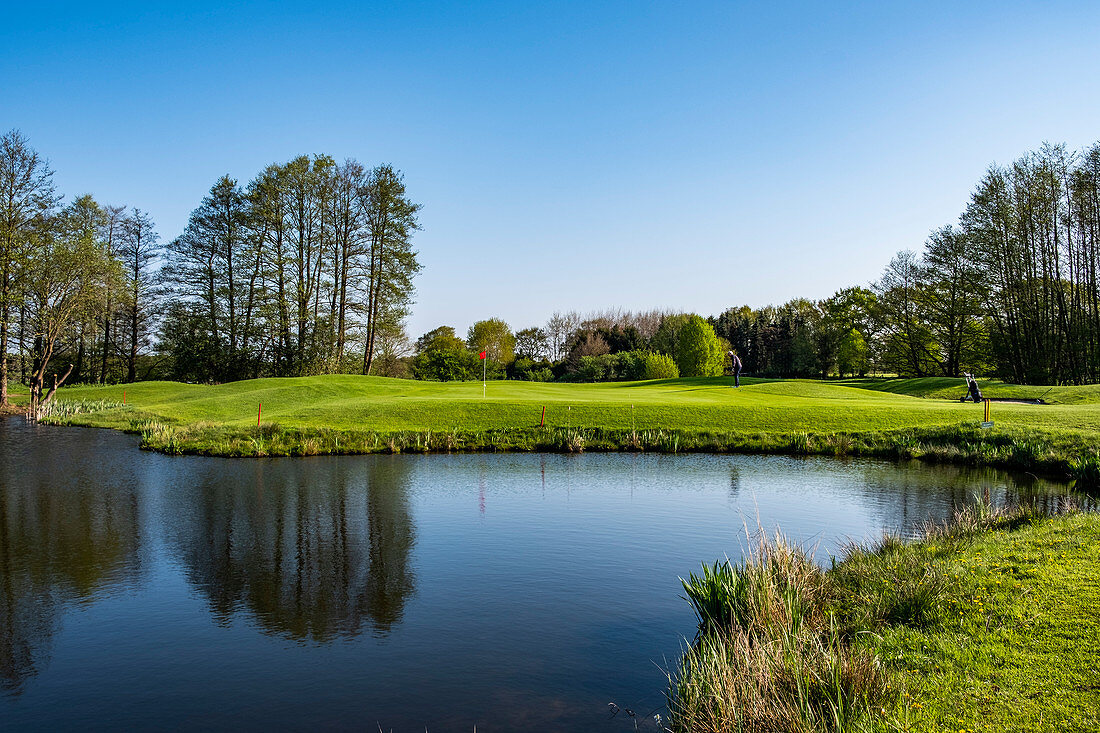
pixel 349 414
pixel 988 624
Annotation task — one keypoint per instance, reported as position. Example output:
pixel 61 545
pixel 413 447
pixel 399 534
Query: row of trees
pixel 603 346
pixel 307 269
pixel 1011 290
pixel 64 279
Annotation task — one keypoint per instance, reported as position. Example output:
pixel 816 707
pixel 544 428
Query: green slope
pixel 343 402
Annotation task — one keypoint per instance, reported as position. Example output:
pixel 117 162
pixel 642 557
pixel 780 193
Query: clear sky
pixel 571 155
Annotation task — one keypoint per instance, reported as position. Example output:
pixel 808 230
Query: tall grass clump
pixel 57 411
pixel 767 656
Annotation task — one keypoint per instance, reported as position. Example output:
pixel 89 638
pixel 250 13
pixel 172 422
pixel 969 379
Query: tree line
pixel 1011 290
pixel 306 269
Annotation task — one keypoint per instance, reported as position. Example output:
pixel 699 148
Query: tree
pixel 391 220
pixel 907 340
pixel 27 198
pixel 442 338
pixel 68 271
pixel 493 336
pixel 666 340
pixel 206 271
pixel 698 352
pixel 139 252
pixel 559 331
pixel 951 304
pixel 113 218
pixel 532 343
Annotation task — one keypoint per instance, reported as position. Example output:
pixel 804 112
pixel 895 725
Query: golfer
pixel 735 364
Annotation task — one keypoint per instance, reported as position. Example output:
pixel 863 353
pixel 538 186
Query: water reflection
pixel 919 493
pixel 63 539
pixel 545 586
pixel 310 549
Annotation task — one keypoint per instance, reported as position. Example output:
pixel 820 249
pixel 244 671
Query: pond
pixel 511 591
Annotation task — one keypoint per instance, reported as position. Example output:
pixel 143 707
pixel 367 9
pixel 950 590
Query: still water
pixel 510 592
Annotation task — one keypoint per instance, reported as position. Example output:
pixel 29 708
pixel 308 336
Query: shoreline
pixel 985 623
pixel 1065 457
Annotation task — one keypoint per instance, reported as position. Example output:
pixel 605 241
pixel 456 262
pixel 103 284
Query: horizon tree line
pixel 308 269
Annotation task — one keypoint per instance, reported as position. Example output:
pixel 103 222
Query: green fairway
pixel 342 402
pixel 354 414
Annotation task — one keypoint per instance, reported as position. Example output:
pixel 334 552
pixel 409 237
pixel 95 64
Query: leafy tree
pixel 139 252
pixel 494 337
pixel 391 221
pixel 27 199
pixel 852 354
pixel 442 338
pixel 446 365
pixel 698 352
pixel 532 343
pixel 68 271
pixel 666 340
pixel 907 340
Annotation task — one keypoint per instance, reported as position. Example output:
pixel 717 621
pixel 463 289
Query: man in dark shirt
pixel 735 364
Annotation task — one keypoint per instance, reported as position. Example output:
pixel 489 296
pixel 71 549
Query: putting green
pixel 344 402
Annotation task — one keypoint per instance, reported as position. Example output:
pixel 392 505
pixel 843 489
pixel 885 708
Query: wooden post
pixel 542 422
pixel 259 411
pixel 986 410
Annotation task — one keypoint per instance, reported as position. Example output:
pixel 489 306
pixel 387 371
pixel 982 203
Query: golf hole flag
pixel 481 356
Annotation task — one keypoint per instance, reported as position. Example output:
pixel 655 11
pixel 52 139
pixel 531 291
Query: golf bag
pixel 973 391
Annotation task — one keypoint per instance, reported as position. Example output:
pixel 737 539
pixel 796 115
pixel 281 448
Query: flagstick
pixel 483 362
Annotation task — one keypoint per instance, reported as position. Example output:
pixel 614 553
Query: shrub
pixel 768 657
pixel 660 366
pixel 446 365
pixel 698 352
pixel 595 368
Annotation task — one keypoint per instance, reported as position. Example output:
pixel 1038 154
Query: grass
pixel 353 414
pixel 947 388
pixel 988 623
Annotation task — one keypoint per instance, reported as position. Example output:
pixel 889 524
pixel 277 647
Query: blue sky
pixel 572 155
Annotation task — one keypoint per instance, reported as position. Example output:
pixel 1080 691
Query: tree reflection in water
pixel 314 550
pixel 63 540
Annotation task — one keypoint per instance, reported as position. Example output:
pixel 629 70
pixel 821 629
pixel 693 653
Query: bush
pixel 447 365
pixel 660 366
pixel 529 370
pixel 698 352
pixel 595 368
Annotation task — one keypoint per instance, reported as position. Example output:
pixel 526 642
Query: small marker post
pixel 987 423
pixel 124 397
pixel 259 411
pixel 542 422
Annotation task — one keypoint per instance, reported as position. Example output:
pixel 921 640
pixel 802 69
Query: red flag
pixel 481 355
